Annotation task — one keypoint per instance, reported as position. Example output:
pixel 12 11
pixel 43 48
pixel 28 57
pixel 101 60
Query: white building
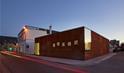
pixel 27 35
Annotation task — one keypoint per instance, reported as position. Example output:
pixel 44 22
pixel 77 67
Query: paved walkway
pixel 70 61
pixel 76 62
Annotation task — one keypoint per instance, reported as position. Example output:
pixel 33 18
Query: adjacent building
pixel 8 42
pixel 114 45
pixel 122 47
pixel 79 43
pixel 27 35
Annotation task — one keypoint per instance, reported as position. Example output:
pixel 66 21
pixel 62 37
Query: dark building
pixel 122 46
pixel 79 43
pixel 114 45
pixel 6 40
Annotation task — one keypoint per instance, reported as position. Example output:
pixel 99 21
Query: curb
pixel 79 62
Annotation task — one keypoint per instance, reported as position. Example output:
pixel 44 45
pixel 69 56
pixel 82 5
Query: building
pixel 27 35
pixel 122 46
pixel 7 42
pixel 114 45
pixel 79 43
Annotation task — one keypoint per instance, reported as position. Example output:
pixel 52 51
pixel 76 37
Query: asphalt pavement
pixel 26 65
pixel 114 64
pixel 3 69
pixel 17 64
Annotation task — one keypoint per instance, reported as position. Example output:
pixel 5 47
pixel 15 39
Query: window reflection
pixel 87 41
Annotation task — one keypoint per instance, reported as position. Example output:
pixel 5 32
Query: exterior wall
pixel 6 41
pixel 26 41
pixel 30 36
pixel 99 45
pixel 51 45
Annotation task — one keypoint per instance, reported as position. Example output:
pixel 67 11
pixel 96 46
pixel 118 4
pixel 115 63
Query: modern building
pixel 27 35
pixel 79 43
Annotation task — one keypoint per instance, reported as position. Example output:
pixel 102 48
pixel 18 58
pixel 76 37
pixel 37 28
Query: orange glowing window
pixel 69 43
pixel 54 45
pixel 63 44
pixel 75 42
pixel 58 43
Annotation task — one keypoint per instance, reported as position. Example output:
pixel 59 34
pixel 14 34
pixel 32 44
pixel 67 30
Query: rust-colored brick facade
pixel 99 46
pixel 70 44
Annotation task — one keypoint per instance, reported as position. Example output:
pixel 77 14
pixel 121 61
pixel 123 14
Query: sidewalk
pixel 75 62
pixel 69 61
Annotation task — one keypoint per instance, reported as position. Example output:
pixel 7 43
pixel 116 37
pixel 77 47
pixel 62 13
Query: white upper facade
pixel 32 34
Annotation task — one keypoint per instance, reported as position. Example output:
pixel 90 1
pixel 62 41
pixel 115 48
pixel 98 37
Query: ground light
pixel 10 49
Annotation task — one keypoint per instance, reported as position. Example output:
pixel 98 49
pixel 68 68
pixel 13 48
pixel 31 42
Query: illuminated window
pixel 63 43
pixel 76 42
pixel 37 49
pixel 58 43
pixel 54 45
pixel 69 43
pixel 87 39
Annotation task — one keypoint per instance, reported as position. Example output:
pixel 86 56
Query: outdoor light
pixel 10 49
pixel 25 29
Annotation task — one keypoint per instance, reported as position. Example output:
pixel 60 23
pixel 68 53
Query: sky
pixel 0 17
pixel 106 17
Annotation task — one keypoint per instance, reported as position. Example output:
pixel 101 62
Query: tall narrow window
pixel 37 49
pixel 87 39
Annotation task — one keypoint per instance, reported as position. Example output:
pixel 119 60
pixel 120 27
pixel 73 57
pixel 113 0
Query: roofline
pixel 35 28
pixel 8 36
pixel 74 29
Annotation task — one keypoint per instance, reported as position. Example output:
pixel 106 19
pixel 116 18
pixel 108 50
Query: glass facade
pixel 87 39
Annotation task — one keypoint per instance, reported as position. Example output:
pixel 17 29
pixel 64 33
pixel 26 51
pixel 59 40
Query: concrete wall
pixel 31 34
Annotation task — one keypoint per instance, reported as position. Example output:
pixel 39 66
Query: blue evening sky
pixel 0 18
pixel 103 16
